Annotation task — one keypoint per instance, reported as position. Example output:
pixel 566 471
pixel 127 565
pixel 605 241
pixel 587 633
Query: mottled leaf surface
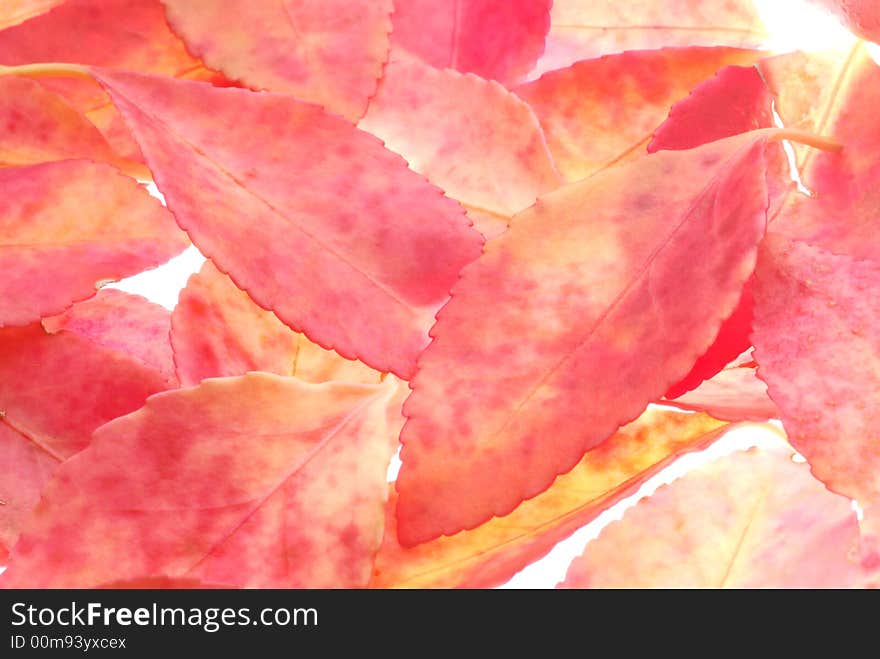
pixel 493 552
pixel 378 247
pixel 599 112
pixel 301 502
pixel 750 520
pixel 588 273
pixel 330 52
pixel 68 227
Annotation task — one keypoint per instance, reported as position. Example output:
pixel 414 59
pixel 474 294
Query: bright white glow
pixel 799 25
pixel 874 51
pixel 162 285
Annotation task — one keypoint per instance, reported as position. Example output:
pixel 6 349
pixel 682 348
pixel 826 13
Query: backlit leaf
pixel 377 247
pixel 299 504
pixel 54 391
pixel 750 520
pixel 494 552
pixel 68 227
pixel 217 330
pixel 496 39
pixel 330 52
pixel 602 111
pixel 817 344
pixel 471 137
pixel 590 274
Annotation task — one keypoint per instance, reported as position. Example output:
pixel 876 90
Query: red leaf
pixel 378 247
pixel 734 394
pixel 496 39
pixel 217 330
pixel 735 101
pixel 330 52
pixel 731 341
pixel 860 16
pixel 54 391
pixel 70 226
pixel 122 34
pixel 751 520
pixel 300 501
pixel 160 583
pixel 127 323
pixel 492 553
pixel 582 30
pixel 599 112
pixel 817 332
pixel 471 137
pixel 591 273
pixel 39 126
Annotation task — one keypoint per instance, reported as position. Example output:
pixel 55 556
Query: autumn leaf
pixel 816 335
pixel 733 394
pixel 591 273
pixel 493 552
pixel 731 341
pixel 330 52
pixel 69 227
pixel 584 30
pixel 300 503
pixel 754 519
pixel 122 34
pixel 735 101
pixel 54 391
pixel 469 136
pixel 217 330
pixel 127 323
pixel 600 112
pixel 39 126
pixel 496 39
pixel 378 247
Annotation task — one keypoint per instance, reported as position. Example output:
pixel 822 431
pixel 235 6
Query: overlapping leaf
pixel 129 324
pixel 299 504
pixel 817 344
pixel 602 111
pixel 591 273
pixel 492 553
pixel 69 226
pixel 496 39
pixel 330 52
pixel 734 394
pixel 753 519
pixel 217 330
pixel 583 30
pixel 54 391
pixel 14 12
pixel 92 32
pixel 378 248
pixel 471 137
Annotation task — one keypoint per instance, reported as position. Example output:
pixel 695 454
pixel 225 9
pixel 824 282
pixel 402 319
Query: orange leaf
pixel 299 504
pixel 751 520
pixel 14 12
pixel 377 247
pixel 492 553
pixel 600 112
pixel 217 330
pixel 582 30
pixel 471 137
pixel 817 344
pixel 594 273
pixel 68 227
pixel 54 391
pixel 330 52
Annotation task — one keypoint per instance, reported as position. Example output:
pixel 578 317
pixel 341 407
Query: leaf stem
pixel 820 142
pixel 48 70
